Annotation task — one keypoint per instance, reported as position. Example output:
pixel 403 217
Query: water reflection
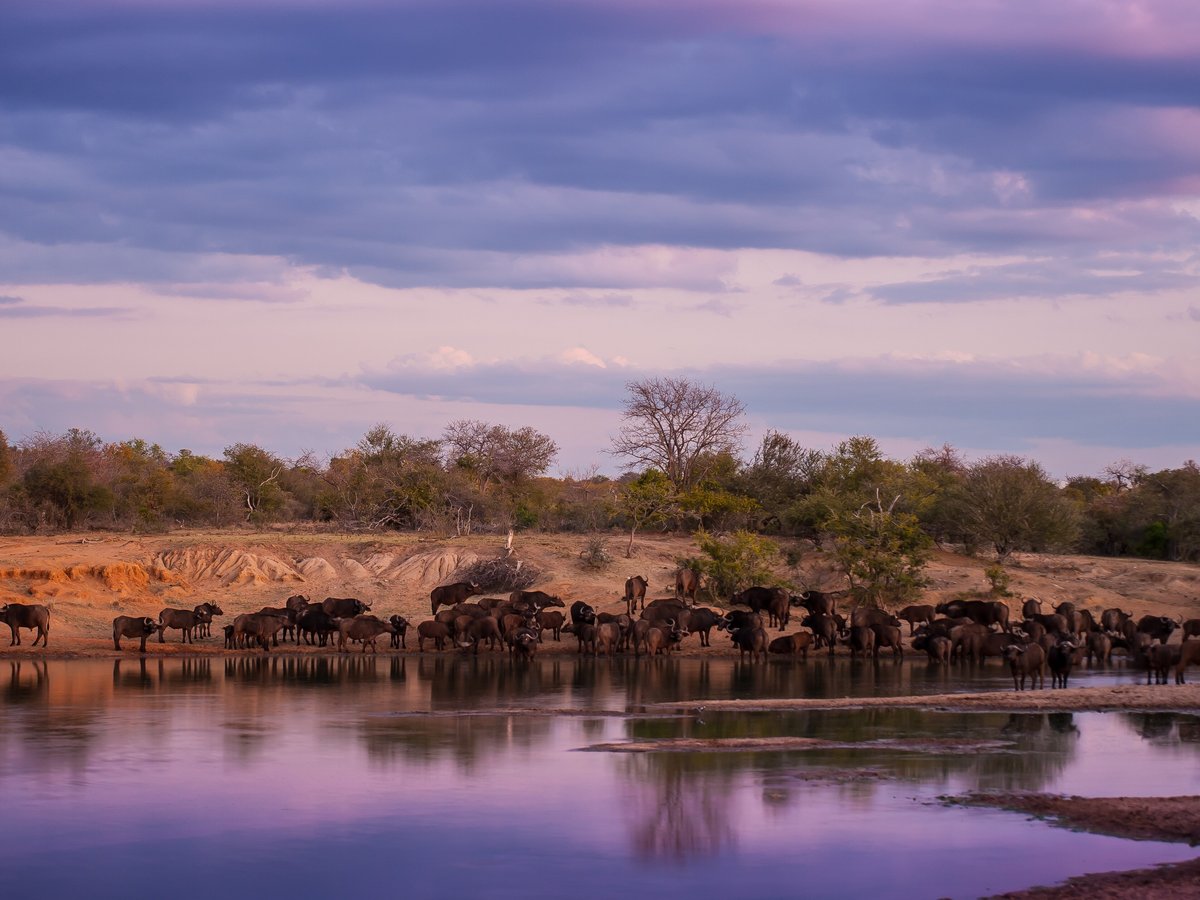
pixel 677 807
pixel 27 681
pixel 430 752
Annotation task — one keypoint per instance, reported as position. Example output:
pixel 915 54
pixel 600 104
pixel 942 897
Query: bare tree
pixel 496 453
pixel 678 427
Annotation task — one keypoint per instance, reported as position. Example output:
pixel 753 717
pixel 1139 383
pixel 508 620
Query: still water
pixel 446 777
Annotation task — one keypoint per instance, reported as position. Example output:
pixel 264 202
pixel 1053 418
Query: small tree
pixel 882 552
pixel 256 473
pixel 1012 505
pixel 734 562
pixel 647 500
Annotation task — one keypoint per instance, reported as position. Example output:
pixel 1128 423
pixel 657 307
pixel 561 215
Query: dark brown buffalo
pixel 865 617
pixel 183 619
pixel 550 620
pixel 400 629
pixel 819 603
pixel 775 602
pixel 582 613
pixel 366 629
pixel 523 643
pixel 967 641
pixel 662 639
pixel 750 640
pixel 700 620
pixel 206 612
pixel 608 638
pixel 1191 628
pixel 344 607
pixel 985 612
pixel 437 632
pixel 289 621
pixel 1099 647
pixel 635 593
pixel 510 622
pixel 1060 659
pixel 256 628
pixel 315 625
pixel 914 614
pixel 1159 659
pixel 1189 654
pixel 738 618
pixel 792 645
pixel 585 634
pixel 133 627
pixel 888 636
pixel 485 629
pixel 1054 623
pixel 1032 629
pixel 1031 607
pixel 1114 619
pixel 297 602
pixel 657 613
pixel 1158 627
pixel 862 640
pixel 33 616
pixel 638 634
pixel 450 594
pixel 824 629
pixel 687 583
pixel 1027 662
pixel 936 646
pixel 535 599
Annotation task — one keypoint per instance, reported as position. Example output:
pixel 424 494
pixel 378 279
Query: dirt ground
pixel 1153 818
pixel 88 579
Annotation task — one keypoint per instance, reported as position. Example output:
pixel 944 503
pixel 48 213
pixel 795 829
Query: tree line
pixel 680 444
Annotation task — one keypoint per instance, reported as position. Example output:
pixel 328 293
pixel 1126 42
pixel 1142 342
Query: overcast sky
pixel 283 221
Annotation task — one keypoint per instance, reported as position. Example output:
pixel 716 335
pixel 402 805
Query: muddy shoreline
pixel 1111 698
pixel 1175 819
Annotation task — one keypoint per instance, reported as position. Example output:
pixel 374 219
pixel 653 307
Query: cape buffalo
pixel 33 616
pixel 914 614
pixel 450 594
pixel 1060 659
pixel 775 601
pixel 1158 627
pixel 985 612
pixel 1027 662
pixel 133 627
pixel 366 629
pixel 792 645
pixel 183 619
pixel 687 583
pixel 400 626
pixel 635 593
pixel 344 607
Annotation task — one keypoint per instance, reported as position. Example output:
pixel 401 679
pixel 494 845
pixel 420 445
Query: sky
pixel 284 221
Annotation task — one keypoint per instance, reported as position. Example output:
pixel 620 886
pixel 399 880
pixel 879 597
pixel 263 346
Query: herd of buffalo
pixel 958 630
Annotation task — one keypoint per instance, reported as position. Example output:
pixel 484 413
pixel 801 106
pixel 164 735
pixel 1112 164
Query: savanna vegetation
pixel 681 446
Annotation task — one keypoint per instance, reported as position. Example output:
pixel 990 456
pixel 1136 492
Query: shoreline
pixel 1110 698
pixel 1169 819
